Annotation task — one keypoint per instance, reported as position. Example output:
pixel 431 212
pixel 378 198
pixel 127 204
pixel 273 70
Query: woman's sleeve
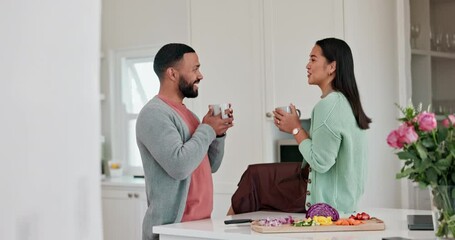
pixel 321 151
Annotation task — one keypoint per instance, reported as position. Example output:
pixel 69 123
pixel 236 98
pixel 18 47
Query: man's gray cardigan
pixel 170 154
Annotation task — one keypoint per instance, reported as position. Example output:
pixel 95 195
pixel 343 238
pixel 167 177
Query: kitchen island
pixel 395 221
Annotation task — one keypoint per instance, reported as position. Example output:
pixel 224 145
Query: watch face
pixel 295 131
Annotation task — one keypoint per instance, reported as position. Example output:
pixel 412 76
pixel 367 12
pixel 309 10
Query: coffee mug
pixel 220 108
pixel 288 109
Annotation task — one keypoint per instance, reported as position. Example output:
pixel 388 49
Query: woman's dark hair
pixel 169 55
pixel 339 51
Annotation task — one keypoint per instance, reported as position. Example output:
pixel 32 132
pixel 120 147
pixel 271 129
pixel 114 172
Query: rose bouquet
pixel 428 152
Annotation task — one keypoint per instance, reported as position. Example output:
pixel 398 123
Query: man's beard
pixel 187 89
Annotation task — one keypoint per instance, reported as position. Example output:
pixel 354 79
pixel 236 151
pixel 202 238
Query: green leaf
pixel 453 176
pixel 437 170
pixel 428 143
pixel 443 164
pixel 417 163
pixel 425 165
pixel 403 119
pixel 421 150
pixel 437 198
pixel 422 185
pixel 432 175
pixel 409 112
pixel 406 155
pixel 404 173
pixel 432 157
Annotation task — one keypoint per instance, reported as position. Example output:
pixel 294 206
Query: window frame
pixel 118 117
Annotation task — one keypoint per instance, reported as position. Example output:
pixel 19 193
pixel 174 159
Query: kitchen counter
pixel 395 221
pixel 123 181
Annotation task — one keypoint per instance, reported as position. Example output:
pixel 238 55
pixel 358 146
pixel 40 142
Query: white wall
pixel 371 31
pixel 49 126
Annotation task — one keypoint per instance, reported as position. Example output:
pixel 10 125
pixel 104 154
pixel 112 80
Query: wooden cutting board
pixel 373 224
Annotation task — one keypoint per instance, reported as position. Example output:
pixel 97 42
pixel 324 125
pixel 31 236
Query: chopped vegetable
pixel 323 220
pixel 304 223
pixel 361 216
pixel 322 209
pixel 315 221
pixel 275 222
pixel 348 221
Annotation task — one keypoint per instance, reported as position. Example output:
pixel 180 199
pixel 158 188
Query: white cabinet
pixel 291 28
pixel 432 35
pixel 124 205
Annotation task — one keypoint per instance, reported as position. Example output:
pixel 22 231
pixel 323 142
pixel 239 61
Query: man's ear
pixel 172 73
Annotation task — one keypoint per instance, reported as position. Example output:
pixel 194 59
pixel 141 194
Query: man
pixel 179 154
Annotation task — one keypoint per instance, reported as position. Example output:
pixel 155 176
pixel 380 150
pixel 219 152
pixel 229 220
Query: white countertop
pixel 394 219
pixel 123 181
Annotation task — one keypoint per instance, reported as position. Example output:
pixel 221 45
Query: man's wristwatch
pixel 295 131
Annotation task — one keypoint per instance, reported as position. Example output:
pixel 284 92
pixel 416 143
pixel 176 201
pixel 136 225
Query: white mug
pixel 220 108
pixel 288 109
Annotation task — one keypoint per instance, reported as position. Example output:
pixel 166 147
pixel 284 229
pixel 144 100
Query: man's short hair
pixel 168 56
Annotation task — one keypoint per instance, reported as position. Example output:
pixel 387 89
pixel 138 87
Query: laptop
pixel 420 222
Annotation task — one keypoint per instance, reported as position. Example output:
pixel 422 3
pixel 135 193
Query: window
pixel 133 84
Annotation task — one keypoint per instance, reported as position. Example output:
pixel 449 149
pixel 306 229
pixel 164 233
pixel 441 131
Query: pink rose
pixel 427 121
pixel 449 121
pixel 393 138
pixel 405 134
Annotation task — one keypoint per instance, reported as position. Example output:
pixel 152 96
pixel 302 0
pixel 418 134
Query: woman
pixel 335 147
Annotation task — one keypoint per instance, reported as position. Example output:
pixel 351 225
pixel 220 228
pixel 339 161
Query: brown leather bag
pixel 272 187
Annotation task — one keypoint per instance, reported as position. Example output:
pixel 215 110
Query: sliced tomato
pixel 365 216
pixel 360 216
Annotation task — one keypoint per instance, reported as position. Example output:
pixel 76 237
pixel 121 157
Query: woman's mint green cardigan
pixel 337 154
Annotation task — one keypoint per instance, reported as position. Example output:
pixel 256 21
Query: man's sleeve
pixel 159 134
pixel 216 153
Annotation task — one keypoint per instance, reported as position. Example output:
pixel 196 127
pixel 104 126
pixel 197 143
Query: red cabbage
pixel 322 209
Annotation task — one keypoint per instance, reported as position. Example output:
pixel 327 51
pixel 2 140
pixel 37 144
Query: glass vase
pixel 442 208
